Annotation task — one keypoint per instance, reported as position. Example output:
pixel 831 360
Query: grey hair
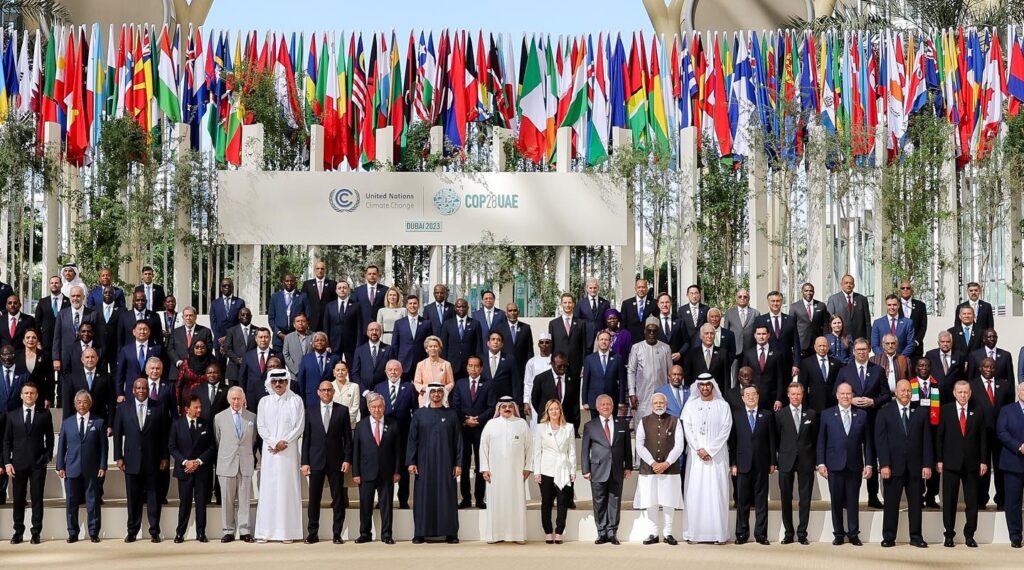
pixel 319 334
pixel 85 393
pixel 236 389
pixel 372 397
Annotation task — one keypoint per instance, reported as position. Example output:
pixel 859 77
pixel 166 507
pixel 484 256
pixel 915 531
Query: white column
pixel 817 244
pixel 250 256
pixel 51 232
pixel 563 142
pixel 949 240
pixel 689 174
pixel 1012 248
pixel 183 225
pixel 758 228
pixel 386 157
pixel 316 148
pixel 623 139
pixel 505 291
pixel 437 251
pixel 882 229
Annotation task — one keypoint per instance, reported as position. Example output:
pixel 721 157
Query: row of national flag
pixel 739 90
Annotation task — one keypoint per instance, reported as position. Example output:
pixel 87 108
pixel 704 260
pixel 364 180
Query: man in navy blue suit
pixel 983 314
pixel 82 464
pixel 140 450
pixel 375 464
pixel 489 317
pixel 138 312
pixel 460 337
pixel 782 333
pixel 106 279
pixel 10 380
pixel 440 310
pixel 870 393
pixel 370 361
pixel 284 305
pixel 341 322
pixel 635 311
pixel 131 360
pixel 1010 430
pixel 370 297
pixel 400 401
pixel 896 324
pixel 224 310
pixel 408 336
pixel 315 367
pixel 191 443
pixel 590 309
pixel 603 373
pixel 253 372
pixel 845 456
pixel 752 451
pixel 501 370
pixel 474 401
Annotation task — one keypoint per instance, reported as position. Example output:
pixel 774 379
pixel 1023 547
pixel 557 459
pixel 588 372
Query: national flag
pixel 742 98
pixel 311 86
pixel 993 91
pixel 532 141
pixel 599 128
pixel 636 101
pixel 1015 82
pixel 284 87
pixel 77 132
pixel 655 100
pixel 896 101
pixel 689 90
pixel 93 98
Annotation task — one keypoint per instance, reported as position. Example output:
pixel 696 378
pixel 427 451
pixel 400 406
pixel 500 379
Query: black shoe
pixel 246 538
pixel 970 543
pixel 465 504
pixel 227 538
pixel 763 541
pixel 179 539
pixel 651 540
pixel 35 539
pixel 418 540
pixel 931 504
pixel 948 543
pixel 404 506
pixel 337 540
pixel 94 538
pixel 741 540
pixel 481 505
pixel 671 540
pixel 804 541
pixel 875 504
pixel 918 544
pixel 16 539
pixel 787 540
pixel 312 539
pixel 155 539
pixel 202 538
pixel 1000 508
pixel 572 505
pixel 387 540
pixel 1015 544
pixel 452 540
pixel 888 543
pixel 130 538
pixel 613 540
pixel 856 541
pixel 72 539
pixel 364 539
pixel 601 540
pixel 837 541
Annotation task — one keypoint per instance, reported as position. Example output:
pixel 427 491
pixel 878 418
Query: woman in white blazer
pixel 554 467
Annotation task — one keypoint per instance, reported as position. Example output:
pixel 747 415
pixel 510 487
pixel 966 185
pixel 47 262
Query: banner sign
pixel 420 208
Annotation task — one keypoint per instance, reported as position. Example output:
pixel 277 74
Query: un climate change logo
pixel 344 199
pixel 447 201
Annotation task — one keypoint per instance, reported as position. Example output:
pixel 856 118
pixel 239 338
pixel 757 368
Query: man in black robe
pixel 434 450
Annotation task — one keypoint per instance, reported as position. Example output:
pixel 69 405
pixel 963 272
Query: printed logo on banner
pixel 344 199
pixel 447 201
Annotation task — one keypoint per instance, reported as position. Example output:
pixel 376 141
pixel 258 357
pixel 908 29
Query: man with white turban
pixel 647 369
pixel 707 421
pixel 280 419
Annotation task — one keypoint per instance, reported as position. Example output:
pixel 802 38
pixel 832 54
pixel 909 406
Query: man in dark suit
pixel 697 358
pixel 984 314
pixel 518 338
pixel 15 323
pixel 671 332
pixel 903 441
pixel 635 311
pixel 930 395
pixel 474 401
pixel 915 310
pixel 238 340
pixel 870 392
pixel 376 460
pixel 607 461
pixel 460 337
pixel 192 445
pixel 213 395
pixel 326 454
pixel 440 310
pixel 693 314
pixel 751 459
pixel 182 338
pixel 990 393
pixel 500 370
pixel 796 436
pixel 590 309
pixel 95 295
pixel 603 373
pixel 408 336
pixel 558 383
pixel 82 463
pixel 961 449
pixel 11 380
pixel 131 360
pixel 895 324
pixel 966 332
pixel 138 312
pixel 724 338
pixel 947 366
pixel 318 293
pixel 852 307
pixel 47 309
pixel 65 332
pixel 818 375
pixel 140 451
pixel 400 401
pixel 224 309
pixel 1003 359
pixel 1010 430
pixel 283 307
pixel 154 293
pixel 489 317
pixel 315 367
pixel 341 322
pixel 98 385
pixel 770 366
pixel 811 319
pixel 845 455
pixel 369 363
pixel 253 372
pixel 782 333
pixel 27 449
pixel 107 329
pixel 370 297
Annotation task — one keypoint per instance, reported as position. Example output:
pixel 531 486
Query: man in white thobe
pixel 707 421
pixel 647 369
pixel 279 421
pixel 505 456
pixel 659 444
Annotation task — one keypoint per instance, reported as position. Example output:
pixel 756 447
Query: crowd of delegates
pixel 377 387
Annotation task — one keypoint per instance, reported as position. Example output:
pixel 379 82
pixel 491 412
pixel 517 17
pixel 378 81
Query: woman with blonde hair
pixel 554 467
pixel 433 369
pixel 392 311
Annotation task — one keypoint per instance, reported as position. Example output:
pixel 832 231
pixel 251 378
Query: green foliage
pixel 22 170
pixel 721 224
pixel 284 146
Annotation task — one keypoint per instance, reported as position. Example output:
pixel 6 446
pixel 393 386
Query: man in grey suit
pixel 239 340
pixel 607 461
pixel 235 429
pixel 852 307
pixel 65 330
pixel 811 319
pixel 297 343
pixel 740 320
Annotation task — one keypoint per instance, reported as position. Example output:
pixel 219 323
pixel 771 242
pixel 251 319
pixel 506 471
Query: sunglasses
pixel 278 381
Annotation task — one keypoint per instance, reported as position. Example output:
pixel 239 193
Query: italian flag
pixel 167 81
pixel 532 140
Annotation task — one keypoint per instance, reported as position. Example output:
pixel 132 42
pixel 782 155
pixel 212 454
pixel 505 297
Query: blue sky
pixel 548 16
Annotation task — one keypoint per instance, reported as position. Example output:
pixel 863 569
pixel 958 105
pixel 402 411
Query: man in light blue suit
pixel 896 324
pixel 284 305
pixel 82 464
pixel 408 336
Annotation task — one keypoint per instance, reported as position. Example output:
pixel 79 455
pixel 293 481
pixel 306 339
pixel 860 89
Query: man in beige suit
pixel 235 429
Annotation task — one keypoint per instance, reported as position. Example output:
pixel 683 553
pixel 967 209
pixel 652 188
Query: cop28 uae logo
pixel 447 201
pixel 344 199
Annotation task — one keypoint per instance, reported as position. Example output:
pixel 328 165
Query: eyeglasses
pixel 278 381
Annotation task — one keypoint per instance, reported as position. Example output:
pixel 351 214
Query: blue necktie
pixel 462 330
pixel 56 309
pixel 513 328
pixel 440 312
pixel 321 357
pixel 824 372
pixel 88 378
pixel 861 377
pixel 142 357
pixel 238 424
pixel 753 420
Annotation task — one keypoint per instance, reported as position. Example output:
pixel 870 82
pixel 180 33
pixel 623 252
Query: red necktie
pixel 761 360
pixel 963 422
pixel 472 390
pixel 567 325
pixel 607 432
pixel 809 315
pixel 263 363
pixel 188 338
pixel 14 327
pixel 991 395
pixel 892 327
pixel 376 432
pixel 558 387
pixel 849 303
